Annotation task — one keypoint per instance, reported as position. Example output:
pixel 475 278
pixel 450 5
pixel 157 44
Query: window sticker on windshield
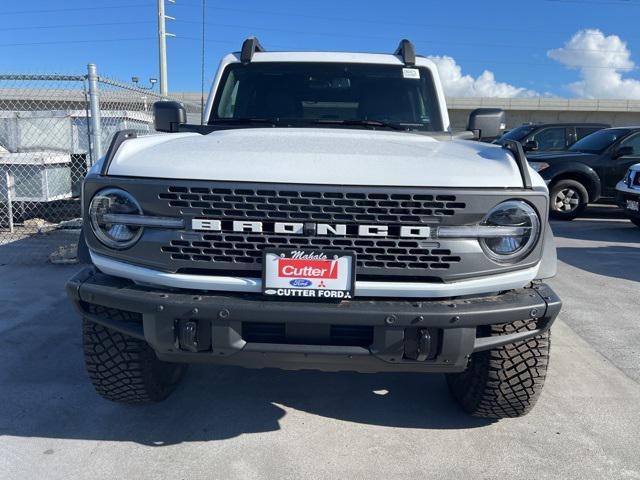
pixel 411 73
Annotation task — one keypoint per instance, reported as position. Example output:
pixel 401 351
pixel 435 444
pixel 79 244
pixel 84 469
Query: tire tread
pixel 125 369
pixel 504 382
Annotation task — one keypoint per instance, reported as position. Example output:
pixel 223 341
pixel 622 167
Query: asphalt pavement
pixel 231 423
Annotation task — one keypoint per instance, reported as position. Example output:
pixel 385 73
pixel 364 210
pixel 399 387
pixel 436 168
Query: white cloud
pixel 458 85
pixel 602 62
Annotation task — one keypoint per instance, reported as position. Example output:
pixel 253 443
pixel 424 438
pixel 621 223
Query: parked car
pixel 629 193
pixel 323 218
pixel 588 171
pixel 547 137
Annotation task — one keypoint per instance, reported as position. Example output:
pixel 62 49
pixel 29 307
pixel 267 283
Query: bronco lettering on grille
pixel 320 229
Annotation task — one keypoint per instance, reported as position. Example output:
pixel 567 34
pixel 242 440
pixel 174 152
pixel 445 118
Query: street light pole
pixel 162 45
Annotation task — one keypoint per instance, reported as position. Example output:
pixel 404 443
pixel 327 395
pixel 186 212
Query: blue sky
pixel 511 39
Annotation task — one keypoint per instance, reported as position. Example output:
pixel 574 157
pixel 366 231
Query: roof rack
pixel 407 51
pixel 250 46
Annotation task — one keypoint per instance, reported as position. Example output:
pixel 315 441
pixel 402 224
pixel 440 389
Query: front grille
pixel 234 248
pixel 352 207
pixel 336 335
pixel 391 258
pixel 313 205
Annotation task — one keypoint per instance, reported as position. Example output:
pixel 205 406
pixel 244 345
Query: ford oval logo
pixel 300 282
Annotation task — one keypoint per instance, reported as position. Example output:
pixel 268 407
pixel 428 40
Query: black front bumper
pixel 621 200
pixel 366 335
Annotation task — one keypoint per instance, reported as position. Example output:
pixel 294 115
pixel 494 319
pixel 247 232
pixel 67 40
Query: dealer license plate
pixel 309 274
pixel 633 205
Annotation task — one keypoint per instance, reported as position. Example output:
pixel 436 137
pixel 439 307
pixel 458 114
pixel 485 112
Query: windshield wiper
pixel 275 122
pixel 246 121
pixel 367 123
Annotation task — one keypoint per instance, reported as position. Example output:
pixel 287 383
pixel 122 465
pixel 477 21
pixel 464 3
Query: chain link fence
pixel 53 128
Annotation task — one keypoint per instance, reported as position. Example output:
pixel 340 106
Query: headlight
pixel 519 235
pixel 106 209
pixel 539 166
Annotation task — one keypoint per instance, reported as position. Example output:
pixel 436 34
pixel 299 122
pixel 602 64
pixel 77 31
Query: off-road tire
pixel 125 369
pixel 580 195
pixel 635 221
pixel 504 382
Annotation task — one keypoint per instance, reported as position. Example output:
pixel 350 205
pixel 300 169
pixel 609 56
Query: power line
pixel 623 3
pixel 74 9
pixel 378 37
pixel 307 32
pixel 439 25
pixel 73 25
pixel 487 62
pixel 288 48
pixel 296 32
pixel 63 42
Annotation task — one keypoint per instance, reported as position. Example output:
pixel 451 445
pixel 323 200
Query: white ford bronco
pixel 323 217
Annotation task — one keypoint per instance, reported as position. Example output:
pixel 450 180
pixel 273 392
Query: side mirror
pixel 168 116
pixel 623 151
pixel 530 146
pixel 487 123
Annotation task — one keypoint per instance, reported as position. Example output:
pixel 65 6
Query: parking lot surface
pixel 231 423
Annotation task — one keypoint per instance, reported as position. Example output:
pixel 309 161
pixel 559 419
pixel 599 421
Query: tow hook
pixel 193 335
pixel 417 344
pixel 188 335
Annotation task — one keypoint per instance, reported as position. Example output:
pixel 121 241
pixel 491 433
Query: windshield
pixel 517 133
pixel 328 94
pixel 599 141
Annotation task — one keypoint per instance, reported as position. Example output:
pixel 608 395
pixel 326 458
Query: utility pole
pixel 94 105
pixel 162 44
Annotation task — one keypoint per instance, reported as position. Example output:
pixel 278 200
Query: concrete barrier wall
pixel 546 110
pixel 515 118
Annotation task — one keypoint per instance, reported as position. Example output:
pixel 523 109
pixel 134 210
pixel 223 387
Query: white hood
pixel 319 156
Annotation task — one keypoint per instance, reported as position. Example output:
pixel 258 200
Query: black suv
pixel 548 137
pixel 588 170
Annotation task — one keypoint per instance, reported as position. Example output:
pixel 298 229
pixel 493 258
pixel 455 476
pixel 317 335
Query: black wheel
pixel 125 369
pixel 635 221
pixel 567 199
pixel 504 382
